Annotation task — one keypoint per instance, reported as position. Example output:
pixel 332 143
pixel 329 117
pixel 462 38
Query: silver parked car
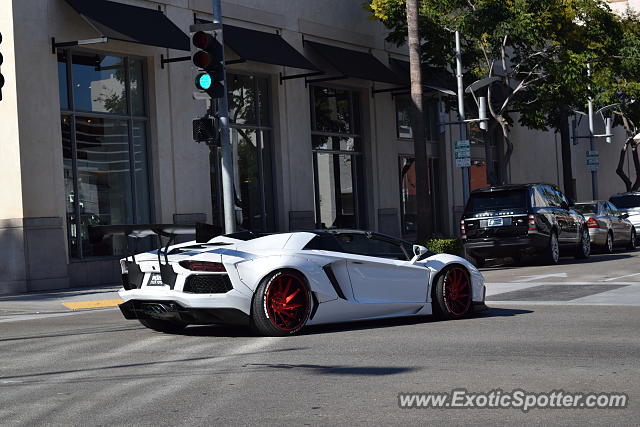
pixel 628 203
pixel 608 226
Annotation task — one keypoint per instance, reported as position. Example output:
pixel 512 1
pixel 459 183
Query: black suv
pixel 514 220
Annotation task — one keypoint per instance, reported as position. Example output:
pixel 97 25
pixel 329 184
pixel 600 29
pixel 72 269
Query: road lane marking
pixel 620 277
pixel 93 304
pixel 559 283
pixel 539 276
pixel 37 316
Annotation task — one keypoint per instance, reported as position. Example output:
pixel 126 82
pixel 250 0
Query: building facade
pixel 99 133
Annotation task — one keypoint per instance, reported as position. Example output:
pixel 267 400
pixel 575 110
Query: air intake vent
pixel 208 284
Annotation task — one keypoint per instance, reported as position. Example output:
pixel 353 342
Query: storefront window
pixel 408 202
pixel 251 136
pixel 104 150
pixel 403 117
pixel 336 145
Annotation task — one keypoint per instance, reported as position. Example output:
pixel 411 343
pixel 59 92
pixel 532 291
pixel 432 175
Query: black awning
pixel 432 77
pixel 259 46
pixel 131 23
pixel 352 63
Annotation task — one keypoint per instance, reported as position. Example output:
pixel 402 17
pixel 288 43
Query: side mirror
pixel 418 251
pixel 624 216
pixel 564 205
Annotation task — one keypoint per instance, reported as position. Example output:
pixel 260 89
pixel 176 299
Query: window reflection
pixel 332 110
pixel 99 83
pixel 251 135
pixel 337 149
pixel 104 181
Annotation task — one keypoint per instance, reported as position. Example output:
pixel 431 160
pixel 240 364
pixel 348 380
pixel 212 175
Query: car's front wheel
pixel 632 242
pixel 282 304
pixel 551 254
pixel 608 245
pixel 451 296
pixel 584 246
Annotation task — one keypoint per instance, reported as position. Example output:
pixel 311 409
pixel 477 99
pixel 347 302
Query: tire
pixel 632 243
pixel 551 253
pixel 281 305
pixel 165 326
pixel 584 245
pixel 608 245
pixel 452 293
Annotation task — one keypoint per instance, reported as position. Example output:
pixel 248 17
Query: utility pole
pixel 423 199
pixel 461 116
pixel 225 139
pixel 594 173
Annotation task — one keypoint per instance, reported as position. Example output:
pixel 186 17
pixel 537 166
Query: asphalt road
pixel 573 327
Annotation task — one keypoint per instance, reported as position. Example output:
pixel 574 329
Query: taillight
pixel 463 231
pixel 592 223
pixel 532 223
pixel 213 267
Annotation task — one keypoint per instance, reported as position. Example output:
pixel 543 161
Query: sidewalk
pixel 60 301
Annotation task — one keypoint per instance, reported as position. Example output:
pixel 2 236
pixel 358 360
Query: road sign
pixel 593 160
pixel 462 153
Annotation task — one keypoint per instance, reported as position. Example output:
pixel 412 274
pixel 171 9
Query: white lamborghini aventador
pixel 279 283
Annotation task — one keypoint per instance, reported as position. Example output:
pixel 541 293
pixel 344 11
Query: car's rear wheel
pixel 632 242
pixel 452 293
pixel 166 326
pixel 608 245
pixel 282 304
pixel 584 245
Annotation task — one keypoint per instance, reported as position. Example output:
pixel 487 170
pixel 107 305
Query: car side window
pixel 539 201
pixel 613 210
pixel 550 196
pixel 324 242
pixel 361 244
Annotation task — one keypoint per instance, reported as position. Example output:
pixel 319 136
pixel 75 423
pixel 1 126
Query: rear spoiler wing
pixel 203 233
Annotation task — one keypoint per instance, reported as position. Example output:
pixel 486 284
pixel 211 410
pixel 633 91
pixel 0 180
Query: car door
pixel 566 232
pixel 380 271
pixel 621 227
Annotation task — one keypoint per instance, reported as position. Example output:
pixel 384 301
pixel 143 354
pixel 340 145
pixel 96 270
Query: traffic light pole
pixel 225 140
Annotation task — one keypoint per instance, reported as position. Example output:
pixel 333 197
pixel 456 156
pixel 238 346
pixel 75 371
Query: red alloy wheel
pixel 287 302
pixel 457 291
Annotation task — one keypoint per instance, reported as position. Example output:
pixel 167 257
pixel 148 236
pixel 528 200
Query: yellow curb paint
pixel 93 304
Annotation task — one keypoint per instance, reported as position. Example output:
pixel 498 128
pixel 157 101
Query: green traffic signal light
pixel 203 81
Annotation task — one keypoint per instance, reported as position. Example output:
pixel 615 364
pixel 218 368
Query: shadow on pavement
pixel 340 370
pixel 502 312
pixel 223 331
pixel 404 321
pixel 509 264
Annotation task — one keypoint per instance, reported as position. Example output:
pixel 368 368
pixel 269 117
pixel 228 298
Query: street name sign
pixel 462 153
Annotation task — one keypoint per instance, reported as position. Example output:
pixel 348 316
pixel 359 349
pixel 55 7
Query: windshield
pixel 586 208
pixel 625 202
pixel 497 200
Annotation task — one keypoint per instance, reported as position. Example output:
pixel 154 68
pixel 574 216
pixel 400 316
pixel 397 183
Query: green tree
pixel 538 48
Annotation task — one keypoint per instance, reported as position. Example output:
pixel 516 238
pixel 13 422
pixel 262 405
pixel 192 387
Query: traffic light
pixel 208 57
pixel 1 76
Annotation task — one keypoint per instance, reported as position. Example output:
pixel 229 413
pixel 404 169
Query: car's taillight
pixel 592 223
pixel 463 231
pixel 532 223
pixel 214 267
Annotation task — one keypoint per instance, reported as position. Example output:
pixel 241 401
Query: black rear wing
pixel 203 233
